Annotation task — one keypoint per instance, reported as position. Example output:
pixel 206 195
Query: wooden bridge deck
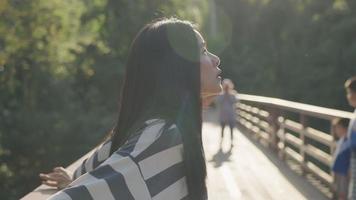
pixel 249 170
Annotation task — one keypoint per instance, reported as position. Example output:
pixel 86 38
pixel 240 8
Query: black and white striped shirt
pixel 148 166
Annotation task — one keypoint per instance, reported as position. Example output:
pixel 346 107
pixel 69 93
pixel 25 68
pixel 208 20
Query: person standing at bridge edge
pixel 226 104
pixel 155 150
pixel 350 86
pixel 341 158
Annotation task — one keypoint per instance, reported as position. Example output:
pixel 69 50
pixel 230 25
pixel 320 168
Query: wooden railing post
pixel 274 127
pixel 332 133
pixel 282 142
pixel 303 121
pixel 332 151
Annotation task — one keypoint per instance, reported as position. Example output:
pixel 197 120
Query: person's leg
pixel 222 132
pixel 342 189
pixel 352 186
pixel 231 133
pixel 222 129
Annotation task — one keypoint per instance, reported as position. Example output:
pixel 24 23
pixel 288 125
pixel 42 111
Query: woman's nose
pixel 216 60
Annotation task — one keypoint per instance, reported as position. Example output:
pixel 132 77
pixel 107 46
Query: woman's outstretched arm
pixel 61 178
pixel 148 166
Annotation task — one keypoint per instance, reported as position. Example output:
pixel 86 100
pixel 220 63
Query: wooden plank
pixel 293 126
pixel 319 136
pixel 293 154
pixel 264 114
pixel 264 135
pixel 325 177
pixel 256 111
pixel 318 154
pixel 256 121
pixel 295 141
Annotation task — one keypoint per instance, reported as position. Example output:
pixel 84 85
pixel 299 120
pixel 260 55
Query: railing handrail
pixel 311 110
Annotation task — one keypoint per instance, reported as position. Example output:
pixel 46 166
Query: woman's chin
pixel 220 88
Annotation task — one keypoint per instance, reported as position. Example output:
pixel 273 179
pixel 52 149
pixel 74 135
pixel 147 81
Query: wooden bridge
pixel 282 150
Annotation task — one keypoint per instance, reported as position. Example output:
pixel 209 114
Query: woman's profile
pixel 155 150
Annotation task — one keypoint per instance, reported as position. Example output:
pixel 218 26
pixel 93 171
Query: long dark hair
pixel 162 80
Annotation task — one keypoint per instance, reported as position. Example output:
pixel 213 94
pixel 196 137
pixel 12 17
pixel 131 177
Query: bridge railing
pixel 267 119
pixel 284 126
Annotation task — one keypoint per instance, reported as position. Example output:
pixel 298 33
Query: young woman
pixel 155 150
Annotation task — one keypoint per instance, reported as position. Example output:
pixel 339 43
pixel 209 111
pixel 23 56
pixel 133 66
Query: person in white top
pixel 350 86
pixel 341 158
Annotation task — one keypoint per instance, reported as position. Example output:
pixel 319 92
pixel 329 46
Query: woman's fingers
pixel 63 171
pixel 54 180
pixel 54 176
pixel 59 178
pixel 50 183
pixel 44 176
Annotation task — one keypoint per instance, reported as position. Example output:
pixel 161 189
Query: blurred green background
pixel 62 61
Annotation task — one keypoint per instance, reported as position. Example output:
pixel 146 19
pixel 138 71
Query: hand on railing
pixel 59 178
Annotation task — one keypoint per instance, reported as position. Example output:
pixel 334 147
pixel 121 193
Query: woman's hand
pixel 59 178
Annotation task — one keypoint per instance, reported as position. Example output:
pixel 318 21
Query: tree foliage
pixel 300 50
pixel 62 61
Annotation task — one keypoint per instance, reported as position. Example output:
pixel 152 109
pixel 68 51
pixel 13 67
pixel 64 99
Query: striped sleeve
pixel 94 160
pixel 148 166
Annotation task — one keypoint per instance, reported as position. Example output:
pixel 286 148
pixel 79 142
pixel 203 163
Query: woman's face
pixel 209 70
pixel 351 97
pixel 340 131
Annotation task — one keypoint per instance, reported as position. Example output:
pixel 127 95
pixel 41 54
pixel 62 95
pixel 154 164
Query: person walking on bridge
pixel 226 104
